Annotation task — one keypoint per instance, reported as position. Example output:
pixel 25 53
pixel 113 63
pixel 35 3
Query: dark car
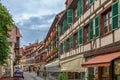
pixel 18 75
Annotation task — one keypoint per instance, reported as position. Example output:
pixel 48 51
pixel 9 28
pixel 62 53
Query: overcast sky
pixel 33 17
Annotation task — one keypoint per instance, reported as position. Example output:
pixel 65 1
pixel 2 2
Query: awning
pixel 53 66
pixel 73 65
pixel 102 60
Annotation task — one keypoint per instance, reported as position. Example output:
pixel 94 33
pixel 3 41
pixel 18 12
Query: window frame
pixel 102 21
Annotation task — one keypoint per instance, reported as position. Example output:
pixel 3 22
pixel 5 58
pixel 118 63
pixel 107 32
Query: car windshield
pixel 19 71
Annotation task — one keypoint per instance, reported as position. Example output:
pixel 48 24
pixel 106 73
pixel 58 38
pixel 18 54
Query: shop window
pixel 117 67
pixel 70 75
pixel 107 20
pixel 82 75
pixel 86 34
pixel 90 73
pixel 105 73
pixel 77 75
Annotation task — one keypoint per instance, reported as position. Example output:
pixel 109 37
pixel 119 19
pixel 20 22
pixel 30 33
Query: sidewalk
pixel 35 76
pixel 6 79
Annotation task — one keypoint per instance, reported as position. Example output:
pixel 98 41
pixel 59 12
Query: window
pixel 86 5
pixel 61 48
pixel 67 45
pixel 80 36
pixel 86 33
pixel 69 16
pixel 64 26
pixel 115 17
pixel 107 18
pixel 90 73
pixel 77 75
pixel 79 8
pixel 75 40
pixel 64 46
pixel 75 15
pixel 71 41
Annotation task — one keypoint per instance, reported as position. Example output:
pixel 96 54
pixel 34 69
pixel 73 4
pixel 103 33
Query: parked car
pixel 18 75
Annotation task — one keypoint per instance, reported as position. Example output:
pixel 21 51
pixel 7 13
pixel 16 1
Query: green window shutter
pixel 91 30
pixel 80 36
pixel 64 25
pixel 115 15
pixel 71 42
pixel 69 16
pixel 64 46
pixel 91 2
pixel 79 8
pixel 97 26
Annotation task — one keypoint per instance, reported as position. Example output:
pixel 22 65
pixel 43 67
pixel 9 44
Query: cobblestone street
pixel 31 76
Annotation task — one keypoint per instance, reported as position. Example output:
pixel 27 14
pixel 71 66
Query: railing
pixel 51 54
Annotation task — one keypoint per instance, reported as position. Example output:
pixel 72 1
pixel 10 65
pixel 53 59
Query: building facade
pixel 89 40
pixel 40 58
pixel 51 43
pixel 30 52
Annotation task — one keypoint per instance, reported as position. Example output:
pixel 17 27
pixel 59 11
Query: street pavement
pixel 31 76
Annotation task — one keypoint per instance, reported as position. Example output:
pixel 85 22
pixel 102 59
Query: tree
pixel 5 22
pixel 62 76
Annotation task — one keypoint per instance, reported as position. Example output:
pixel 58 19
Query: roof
pixel 53 25
pixel 102 60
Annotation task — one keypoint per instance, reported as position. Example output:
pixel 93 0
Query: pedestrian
pixel 38 72
pixel 44 75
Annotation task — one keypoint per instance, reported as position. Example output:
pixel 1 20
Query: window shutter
pixel 64 46
pixel 80 36
pixel 97 26
pixel 71 42
pixel 91 30
pixel 64 25
pixel 79 8
pixel 115 15
pixel 91 2
pixel 69 16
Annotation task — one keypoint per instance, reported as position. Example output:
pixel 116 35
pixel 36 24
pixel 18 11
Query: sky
pixel 33 17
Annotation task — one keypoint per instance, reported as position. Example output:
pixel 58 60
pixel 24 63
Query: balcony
pixel 51 54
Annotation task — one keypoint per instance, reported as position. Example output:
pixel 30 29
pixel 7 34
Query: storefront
pixel 104 67
pixel 72 67
pixel 53 68
pixel 117 69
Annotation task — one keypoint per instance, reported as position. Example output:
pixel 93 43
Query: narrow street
pixel 31 76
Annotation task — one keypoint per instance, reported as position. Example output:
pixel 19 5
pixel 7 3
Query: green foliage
pixel 62 76
pixel 5 22
pixel 44 73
